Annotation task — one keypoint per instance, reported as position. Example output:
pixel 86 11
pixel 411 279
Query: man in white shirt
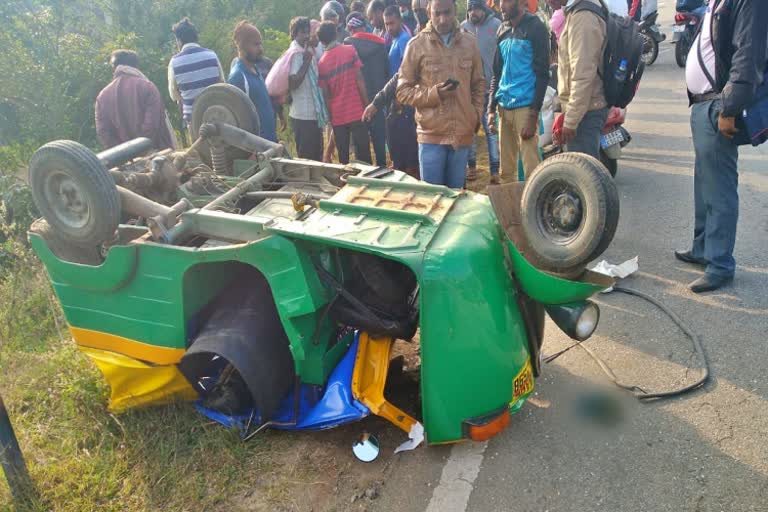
pixel 724 68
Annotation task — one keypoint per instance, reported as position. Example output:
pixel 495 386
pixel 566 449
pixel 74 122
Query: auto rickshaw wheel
pixel 224 103
pixel 74 192
pixel 569 212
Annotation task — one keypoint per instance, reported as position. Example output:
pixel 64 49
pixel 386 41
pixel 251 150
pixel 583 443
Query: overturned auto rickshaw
pixel 271 290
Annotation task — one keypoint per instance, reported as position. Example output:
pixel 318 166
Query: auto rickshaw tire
pixel 227 104
pixel 569 212
pixel 74 192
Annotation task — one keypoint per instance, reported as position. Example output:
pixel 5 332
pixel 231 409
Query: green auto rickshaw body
pixel 145 299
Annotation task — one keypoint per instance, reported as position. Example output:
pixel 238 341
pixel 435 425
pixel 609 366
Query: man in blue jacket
pixel 726 64
pixel 520 78
pixel 246 77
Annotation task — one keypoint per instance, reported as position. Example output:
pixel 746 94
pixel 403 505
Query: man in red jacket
pixel 131 106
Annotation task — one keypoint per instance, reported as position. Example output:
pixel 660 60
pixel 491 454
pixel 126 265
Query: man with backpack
pixel 580 68
pixel 725 67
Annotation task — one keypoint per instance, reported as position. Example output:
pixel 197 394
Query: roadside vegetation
pixel 80 457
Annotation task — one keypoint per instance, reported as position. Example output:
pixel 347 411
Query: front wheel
pixel 682 48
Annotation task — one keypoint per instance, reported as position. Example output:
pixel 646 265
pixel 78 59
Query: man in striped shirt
pixel 192 69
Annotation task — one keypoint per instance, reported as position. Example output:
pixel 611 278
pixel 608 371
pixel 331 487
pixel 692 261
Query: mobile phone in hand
pixel 451 84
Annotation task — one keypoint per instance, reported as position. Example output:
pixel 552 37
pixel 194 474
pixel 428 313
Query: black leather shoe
pixel 709 282
pixel 688 257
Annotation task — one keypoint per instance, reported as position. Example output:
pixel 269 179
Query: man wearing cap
pixel 483 24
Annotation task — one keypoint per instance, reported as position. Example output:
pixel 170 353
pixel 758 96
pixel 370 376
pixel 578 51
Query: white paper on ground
pixel 619 271
pixel 416 437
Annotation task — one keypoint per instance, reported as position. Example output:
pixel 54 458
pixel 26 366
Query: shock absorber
pixel 219 159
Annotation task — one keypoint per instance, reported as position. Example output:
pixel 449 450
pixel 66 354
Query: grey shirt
pixel 485 33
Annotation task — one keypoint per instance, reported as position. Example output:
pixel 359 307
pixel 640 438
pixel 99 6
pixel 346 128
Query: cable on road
pixel 635 390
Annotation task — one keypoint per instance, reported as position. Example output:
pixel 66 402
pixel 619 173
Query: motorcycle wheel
pixel 611 164
pixel 682 48
pixel 650 50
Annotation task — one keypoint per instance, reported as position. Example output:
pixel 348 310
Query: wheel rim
pixel 70 206
pixel 647 50
pixel 560 212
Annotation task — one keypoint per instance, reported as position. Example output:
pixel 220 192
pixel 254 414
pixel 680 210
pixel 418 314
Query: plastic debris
pixel 415 438
pixel 619 271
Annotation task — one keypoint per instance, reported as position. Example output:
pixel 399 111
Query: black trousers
pixel 309 139
pixel 358 132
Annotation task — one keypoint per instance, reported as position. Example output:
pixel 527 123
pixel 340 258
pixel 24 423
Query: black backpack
pixel 624 44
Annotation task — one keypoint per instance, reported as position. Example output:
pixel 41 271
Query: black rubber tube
pixel 637 391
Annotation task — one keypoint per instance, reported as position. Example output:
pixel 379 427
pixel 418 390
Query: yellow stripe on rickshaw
pixel 126 346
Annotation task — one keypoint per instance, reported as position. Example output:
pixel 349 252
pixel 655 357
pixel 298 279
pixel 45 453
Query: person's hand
pixel 727 126
pixel 309 53
pixel 529 130
pixel 446 91
pixel 492 123
pixel 283 124
pixel 567 135
pixel 369 112
pixel 328 157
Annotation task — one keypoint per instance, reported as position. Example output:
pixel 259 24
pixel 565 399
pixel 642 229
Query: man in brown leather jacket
pixel 442 78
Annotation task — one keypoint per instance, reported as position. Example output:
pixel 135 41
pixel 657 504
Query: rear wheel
pixel 611 164
pixel 570 211
pixel 74 192
pixel 682 47
pixel 224 103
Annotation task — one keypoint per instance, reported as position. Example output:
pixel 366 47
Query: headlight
pixel 578 320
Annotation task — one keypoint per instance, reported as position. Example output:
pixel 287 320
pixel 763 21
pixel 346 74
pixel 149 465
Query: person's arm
pixel 154 112
pixel 477 85
pixel 384 97
pixel 238 80
pixel 498 67
pixel 540 43
pixel 221 70
pixel 173 89
pixel 409 91
pixel 104 129
pixel 299 70
pixel 585 46
pixel 749 57
pixel 361 86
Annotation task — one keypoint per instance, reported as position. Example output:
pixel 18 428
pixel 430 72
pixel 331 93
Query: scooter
pixel 687 20
pixel 652 36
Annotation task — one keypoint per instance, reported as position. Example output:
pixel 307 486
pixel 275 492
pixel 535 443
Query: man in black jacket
pixel 724 68
pixel 372 51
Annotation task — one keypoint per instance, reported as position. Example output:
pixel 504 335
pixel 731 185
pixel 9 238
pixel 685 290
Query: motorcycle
pixel 687 20
pixel 614 138
pixel 652 36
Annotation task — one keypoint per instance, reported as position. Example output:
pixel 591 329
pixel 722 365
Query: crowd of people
pixel 410 78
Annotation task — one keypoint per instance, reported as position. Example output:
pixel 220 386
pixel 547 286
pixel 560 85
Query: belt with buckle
pixel 707 96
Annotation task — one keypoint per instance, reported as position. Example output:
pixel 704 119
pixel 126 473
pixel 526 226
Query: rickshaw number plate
pixel 522 384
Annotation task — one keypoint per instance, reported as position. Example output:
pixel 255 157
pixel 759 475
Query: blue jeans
pixel 715 191
pixel 588 133
pixel 492 139
pixel 442 164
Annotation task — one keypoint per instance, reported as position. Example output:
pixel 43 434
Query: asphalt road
pixel 705 452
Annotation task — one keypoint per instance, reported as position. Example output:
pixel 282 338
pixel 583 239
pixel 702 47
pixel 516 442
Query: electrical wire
pixel 637 391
